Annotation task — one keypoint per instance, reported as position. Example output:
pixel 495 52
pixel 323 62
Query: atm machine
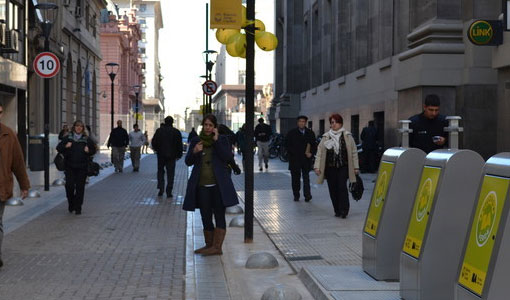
pixel 388 213
pixel 485 262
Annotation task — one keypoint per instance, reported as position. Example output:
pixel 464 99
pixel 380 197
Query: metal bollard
pixel 405 130
pixel 453 130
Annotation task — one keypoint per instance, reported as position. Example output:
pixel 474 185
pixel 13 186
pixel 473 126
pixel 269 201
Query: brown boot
pixel 219 236
pixel 208 237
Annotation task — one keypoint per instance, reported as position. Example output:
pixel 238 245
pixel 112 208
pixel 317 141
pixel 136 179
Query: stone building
pixel 378 59
pixel 119 44
pixel 74 90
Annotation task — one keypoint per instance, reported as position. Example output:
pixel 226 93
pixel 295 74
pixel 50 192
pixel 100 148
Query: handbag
pixel 59 162
pixel 92 168
pixel 356 188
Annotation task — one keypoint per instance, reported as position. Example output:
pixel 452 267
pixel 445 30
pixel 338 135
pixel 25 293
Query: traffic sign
pixel 46 64
pixel 209 87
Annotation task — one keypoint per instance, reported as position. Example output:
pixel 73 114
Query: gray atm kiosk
pixel 438 224
pixel 485 265
pixel 388 213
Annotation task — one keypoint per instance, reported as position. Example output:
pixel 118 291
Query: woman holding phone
pixel 210 187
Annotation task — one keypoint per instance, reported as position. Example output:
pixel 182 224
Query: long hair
pixel 212 119
pixel 79 122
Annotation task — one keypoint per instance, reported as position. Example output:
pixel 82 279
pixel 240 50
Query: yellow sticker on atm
pixel 378 198
pixel 484 228
pixel 421 211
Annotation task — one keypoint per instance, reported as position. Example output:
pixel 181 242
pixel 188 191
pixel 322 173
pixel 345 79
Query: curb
pixel 311 284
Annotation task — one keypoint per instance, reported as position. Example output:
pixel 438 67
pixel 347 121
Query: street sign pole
pixel 250 94
pixel 46 125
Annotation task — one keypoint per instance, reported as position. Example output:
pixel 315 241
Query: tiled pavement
pixel 127 244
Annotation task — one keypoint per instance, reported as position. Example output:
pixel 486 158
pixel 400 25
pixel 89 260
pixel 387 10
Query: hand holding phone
pixel 215 134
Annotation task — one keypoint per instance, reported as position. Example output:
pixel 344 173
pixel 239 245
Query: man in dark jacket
pixel 369 146
pixel 167 142
pixel 428 127
pixel 301 145
pixel 262 135
pixel 192 134
pixel 119 140
pixel 11 162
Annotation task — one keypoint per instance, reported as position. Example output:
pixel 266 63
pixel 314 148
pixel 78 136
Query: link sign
pixel 209 87
pixel 46 64
pixel 486 32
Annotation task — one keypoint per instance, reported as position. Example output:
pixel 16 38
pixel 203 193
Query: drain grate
pixel 300 258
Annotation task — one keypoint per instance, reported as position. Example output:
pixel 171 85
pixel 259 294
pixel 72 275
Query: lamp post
pixel 136 89
pixel 209 63
pixel 112 69
pixel 46 12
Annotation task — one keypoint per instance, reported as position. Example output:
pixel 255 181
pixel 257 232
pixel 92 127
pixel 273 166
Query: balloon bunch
pixel 236 41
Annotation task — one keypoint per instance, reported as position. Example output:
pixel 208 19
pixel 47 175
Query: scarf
pixel 207 140
pixel 334 140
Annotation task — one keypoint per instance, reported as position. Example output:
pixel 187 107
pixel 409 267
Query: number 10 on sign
pixel 46 64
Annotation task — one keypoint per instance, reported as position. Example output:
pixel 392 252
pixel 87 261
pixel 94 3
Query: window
pixel 142 21
pixel 143 7
pixel 141 50
pixel 242 77
pixel 143 36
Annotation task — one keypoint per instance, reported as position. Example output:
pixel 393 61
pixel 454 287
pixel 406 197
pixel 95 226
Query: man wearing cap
pixel 301 146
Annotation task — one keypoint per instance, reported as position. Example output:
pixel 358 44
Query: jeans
pixel 263 152
pixel 135 157
pixel 118 157
pixel 209 202
pixel 169 165
pixel 337 185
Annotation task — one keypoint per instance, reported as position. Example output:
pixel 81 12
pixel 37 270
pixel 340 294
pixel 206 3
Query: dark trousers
pixel 370 156
pixel 296 181
pixel 75 187
pixel 209 202
pixel 337 185
pixel 169 164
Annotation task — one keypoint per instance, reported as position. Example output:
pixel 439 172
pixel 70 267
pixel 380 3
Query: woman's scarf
pixel 334 140
pixel 207 140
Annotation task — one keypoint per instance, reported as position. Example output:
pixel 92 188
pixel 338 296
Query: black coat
pixel 296 142
pixel 118 138
pixel 262 132
pixel 167 142
pixel 220 156
pixel 424 130
pixel 75 157
pixel 369 138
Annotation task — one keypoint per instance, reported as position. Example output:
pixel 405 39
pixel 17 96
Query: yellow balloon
pixel 243 55
pixel 266 40
pixel 237 45
pixel 223 35
pixel 260 25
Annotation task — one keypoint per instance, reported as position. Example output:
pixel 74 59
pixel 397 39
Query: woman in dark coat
pixel 77 149
pixel 210 187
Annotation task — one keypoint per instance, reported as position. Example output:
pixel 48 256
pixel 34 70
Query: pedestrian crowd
pixel 333 157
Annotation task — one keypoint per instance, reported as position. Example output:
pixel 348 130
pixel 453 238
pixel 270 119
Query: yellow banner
pixel 226 14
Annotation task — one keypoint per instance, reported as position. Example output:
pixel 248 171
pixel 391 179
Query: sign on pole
pixel 209 87
pixel 46 64
pixel 226 14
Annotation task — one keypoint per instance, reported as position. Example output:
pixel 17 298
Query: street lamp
pixel 112 69
pixel 136 89
pixel 46 12
pixel 209 63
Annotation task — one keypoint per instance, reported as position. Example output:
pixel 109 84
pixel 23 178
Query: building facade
pixel 378 59
pixel 74 93
pixel 119 44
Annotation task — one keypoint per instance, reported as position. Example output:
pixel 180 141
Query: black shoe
pixel 260 169
pixel 1 262
pixel 78 212
pixel 120 171
pixel 307 199
pixel 169 195
pixel 70 208
pixel 343 216
pixel 267 167
pixel 338 215
pixel 296 199
pixel 160 193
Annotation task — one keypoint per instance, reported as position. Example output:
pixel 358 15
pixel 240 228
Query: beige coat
pixel 11 161
pixel 352 156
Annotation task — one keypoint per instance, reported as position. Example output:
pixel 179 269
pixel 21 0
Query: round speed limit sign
pixel 46 64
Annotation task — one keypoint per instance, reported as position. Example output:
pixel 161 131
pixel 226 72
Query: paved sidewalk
pixel 127 244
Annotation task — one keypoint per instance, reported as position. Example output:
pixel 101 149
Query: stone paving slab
pixel 127 244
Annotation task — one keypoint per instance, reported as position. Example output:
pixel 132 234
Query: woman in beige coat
pixel 337 161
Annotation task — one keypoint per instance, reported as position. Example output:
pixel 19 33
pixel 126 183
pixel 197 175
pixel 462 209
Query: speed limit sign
pixel 46 64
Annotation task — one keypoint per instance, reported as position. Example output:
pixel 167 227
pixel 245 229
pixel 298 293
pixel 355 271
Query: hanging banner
pixel 226 14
